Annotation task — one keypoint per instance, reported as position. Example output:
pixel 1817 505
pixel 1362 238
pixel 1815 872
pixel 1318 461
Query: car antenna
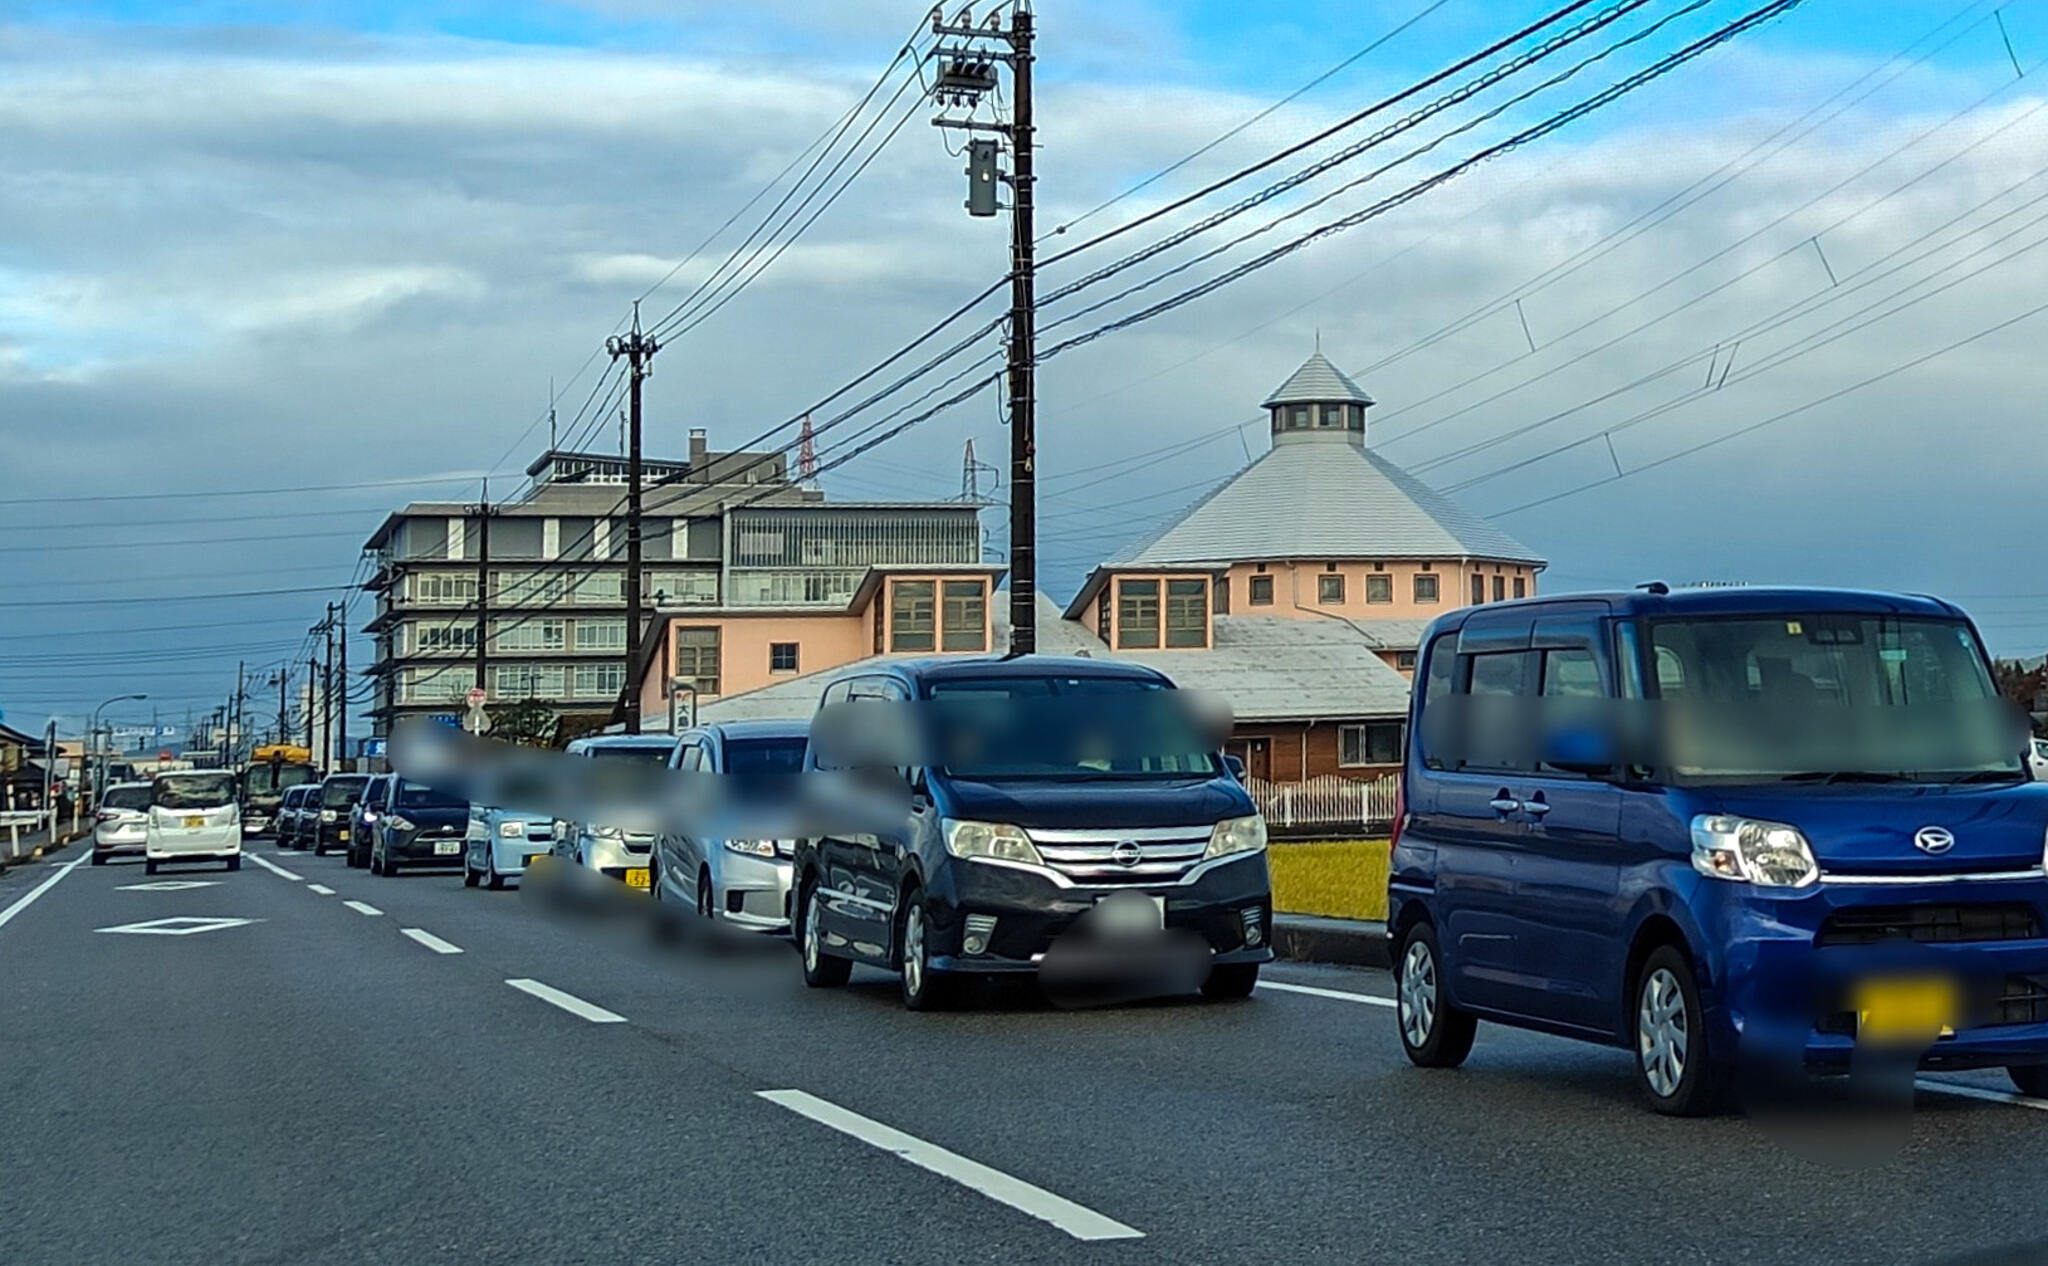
pixel 1655 586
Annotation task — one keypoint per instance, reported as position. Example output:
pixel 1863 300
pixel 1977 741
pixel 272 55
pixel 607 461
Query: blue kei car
pixel 1736 831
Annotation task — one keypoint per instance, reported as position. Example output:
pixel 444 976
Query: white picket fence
pixel 1326 802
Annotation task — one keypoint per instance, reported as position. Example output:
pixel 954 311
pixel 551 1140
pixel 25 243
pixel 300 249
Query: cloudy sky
pixel 1780 301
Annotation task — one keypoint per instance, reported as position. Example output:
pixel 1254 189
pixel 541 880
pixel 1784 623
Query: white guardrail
pixel 1326 802
pixel 13 822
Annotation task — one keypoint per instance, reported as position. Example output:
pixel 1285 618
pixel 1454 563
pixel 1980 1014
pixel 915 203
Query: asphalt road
pixel 326 1084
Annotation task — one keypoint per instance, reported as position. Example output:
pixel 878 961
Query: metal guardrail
pixel 1326 802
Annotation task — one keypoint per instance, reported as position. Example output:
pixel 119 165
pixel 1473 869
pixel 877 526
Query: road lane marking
pixel 431 941
pixel 1076 1220
pixel 361 908
pixel 40 889
pixel 1980 1092
pixel 1369 999
pixel 322 889
pixel 182 926
pixel 170 885
pixel 272 867
pixel 568 1002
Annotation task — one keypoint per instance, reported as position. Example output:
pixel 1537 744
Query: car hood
pixel 1122 804
pixel 1872 829
pixel 430 817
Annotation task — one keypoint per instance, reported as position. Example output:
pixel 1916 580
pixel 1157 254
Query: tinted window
pixel 764 756
pixel 1502 674
pixel 645 755
pixel 194 791
pixel 412 795
pixel 338 792
pixel 1572 674
pixel 125 798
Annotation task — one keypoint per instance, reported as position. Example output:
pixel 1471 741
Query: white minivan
pixel 194 815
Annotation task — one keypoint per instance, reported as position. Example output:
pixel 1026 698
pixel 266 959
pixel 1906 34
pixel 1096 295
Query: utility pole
pixel 284 681
pixel 341 718
pixel 483 584
pixel 966 74
pixel 235 724
pixel 639 350
pixel 312 676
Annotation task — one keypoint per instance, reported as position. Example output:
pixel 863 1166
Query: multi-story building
pixel 722 533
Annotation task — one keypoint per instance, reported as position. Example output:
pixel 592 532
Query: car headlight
pixel 989 841
pixel 402 822
pixel 752 848
pixel 1237 835
pixel 1748 850
pixel 512 830
pixel 327 815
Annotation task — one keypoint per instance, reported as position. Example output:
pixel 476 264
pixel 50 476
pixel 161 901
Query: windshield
pixel 336 793
pixel 764 756
pixel 412 795
pixel 644 755
pixel 374 793
pixel 1066 727
pixel 265 779
pixel 194 791
pixel 136 797
pixel 1821 697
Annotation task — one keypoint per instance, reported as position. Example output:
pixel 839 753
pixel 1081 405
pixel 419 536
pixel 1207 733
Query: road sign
pixel 476 697
pixel 478 721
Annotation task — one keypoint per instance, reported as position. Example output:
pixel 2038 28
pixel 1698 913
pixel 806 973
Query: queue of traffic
pixel 1733 832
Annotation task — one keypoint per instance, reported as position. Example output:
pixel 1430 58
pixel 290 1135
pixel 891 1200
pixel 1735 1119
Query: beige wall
pixel 1295 587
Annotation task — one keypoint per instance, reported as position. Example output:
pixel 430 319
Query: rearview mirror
pixel 1235 764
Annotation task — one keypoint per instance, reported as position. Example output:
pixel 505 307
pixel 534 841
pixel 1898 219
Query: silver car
pixel 616 850
pixel 745 882
pixel 121 827
pixel 501 842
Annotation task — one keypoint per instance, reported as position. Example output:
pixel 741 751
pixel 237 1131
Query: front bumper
pixel 753 892
pixel 510 853
pixel 334 835
pixel 415 846
pixel 615 853
pixel 1032 912
pixel 1793 961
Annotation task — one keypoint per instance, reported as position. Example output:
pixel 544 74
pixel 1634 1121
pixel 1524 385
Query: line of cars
pixel 179 816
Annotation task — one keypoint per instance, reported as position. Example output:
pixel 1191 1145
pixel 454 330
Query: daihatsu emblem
pixel 1127 853
pixel 1934 839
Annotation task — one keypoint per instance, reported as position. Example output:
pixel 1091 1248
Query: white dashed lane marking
pixel 272 867
pixel 362 908
pixel 431 941
pixel 322 889
pixel 567 1001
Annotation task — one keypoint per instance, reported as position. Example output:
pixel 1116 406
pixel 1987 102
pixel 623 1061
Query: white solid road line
pixel 1369 999
pixel 40 889
pixel 1979 1092
pixel 322 889
pixel 361 908
pixel 1076 1220
pixel 271 866
pixel 568 1002
pixel 431 941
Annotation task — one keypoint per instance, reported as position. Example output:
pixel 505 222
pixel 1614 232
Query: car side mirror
pixel 1235 764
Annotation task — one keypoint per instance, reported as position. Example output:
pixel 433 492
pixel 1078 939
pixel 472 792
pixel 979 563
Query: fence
pixel 1325 803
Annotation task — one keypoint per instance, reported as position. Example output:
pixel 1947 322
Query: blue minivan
pixel 1719 826
pixel 1065 797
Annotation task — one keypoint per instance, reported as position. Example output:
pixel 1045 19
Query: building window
pixel 1187 613
pixel 1500 588
pixel 1330 589
pixel 782 657
pixel 913 617
pixel 1219 598
pixel 1373 743
pixel 1521 587
pixel 1478 590
pixel 697 659
pixel 1405 661
pixel 529 587
pixel 1425 588
pixel 963 621
pixel 683 588
pixel 1357 417
pixel 600 635
pixel 602 589
pixel 444 637
pixel 1102 617
pixel 1298 419
pixel 443 589
pixel 599 681
pixel 1262 591
pixel 530 681
pixel 1379 588
pixel 1333 415
pixel 1137 614
pixel 528 634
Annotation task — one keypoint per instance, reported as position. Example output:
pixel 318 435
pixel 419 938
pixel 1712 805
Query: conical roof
pixel 1318 382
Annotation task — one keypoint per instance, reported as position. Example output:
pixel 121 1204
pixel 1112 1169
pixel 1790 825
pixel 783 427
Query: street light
pixel 99 777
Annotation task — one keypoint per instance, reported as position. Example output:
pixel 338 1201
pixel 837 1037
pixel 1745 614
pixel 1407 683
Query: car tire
pixel 821 970
pixel 99 858
pixel 707 906
pixel 1434 1033
pixel 470 878
pixel 1677 1069
pixel 1231 980
pixel 234 863
pixel 148 867
pixel 492 879
pixel 2030 1080
pixel 922 988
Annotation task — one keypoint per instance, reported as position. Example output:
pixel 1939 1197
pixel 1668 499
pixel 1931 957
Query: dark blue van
pixel 1021 832
pixel 1720 825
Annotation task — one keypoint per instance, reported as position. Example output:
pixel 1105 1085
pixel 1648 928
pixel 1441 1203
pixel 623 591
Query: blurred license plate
pixel 1131 912
pixel 1906 1008
pixel 193 824
pixel 342 835
pixel 533 859
pixel 636 877
pixel 447 848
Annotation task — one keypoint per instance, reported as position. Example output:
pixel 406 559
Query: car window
pixel 125 798
pixel 412 795
pixel 194 791
pixel 337 792
pixel 1573 673
pixel 764 756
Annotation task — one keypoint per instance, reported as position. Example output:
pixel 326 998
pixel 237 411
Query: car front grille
pixel 1931 924
pixel 1134 858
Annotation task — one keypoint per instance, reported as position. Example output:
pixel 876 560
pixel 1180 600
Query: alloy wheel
pixel 1661 1035
pixel 1418 993
pixel 813 948
pixel 913 952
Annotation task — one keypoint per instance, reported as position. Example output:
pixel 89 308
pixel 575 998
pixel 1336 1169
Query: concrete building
pixel 723 532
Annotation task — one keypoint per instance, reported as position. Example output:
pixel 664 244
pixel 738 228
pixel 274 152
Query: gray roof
pixel 1327 499
pixel 1270 668
pixel 1318 382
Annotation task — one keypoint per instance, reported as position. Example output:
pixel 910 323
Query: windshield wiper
pixel 1990 775
pixel 1827 776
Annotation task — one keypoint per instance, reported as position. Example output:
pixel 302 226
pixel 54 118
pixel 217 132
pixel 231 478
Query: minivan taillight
pixel 1400 809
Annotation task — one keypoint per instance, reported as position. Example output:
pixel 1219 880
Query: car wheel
pixel 234 863
pixel 1676 1067
pixel 1434 1033
pixel 492 879
pixel 469 876
pixel 706 907
pixel 923 988
pixel 2030 1079
pixel 1231 980
pixel 148 867
pixel 821 970
pixel 99 858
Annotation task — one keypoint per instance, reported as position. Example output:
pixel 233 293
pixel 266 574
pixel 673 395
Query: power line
pixel 193 597
pixel 238 492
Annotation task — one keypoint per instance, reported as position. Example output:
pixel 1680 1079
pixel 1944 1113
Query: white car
pixel 121 826
pixel 2037 759
pixel 194 815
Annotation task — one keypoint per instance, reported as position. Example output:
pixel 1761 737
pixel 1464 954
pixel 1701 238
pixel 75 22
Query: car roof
pixel 957 668
pixel 116 786
pixel 621 740
pixel 1709 600
pixel 754 729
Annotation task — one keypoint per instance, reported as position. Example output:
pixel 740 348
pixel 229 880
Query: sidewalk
pixel 35 844
pixel 1312 939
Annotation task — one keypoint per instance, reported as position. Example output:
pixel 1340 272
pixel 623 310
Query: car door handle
pixel 1502 802
pixel 1535 808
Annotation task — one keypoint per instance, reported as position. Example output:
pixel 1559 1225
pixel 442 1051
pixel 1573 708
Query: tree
pixel 528 722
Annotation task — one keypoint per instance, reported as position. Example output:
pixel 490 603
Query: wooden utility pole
pixel 639 350
pixel 483 587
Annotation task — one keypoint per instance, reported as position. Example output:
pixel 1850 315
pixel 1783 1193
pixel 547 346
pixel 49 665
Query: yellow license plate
pixel 342 835
pixel 534 860
pixel 1906 1009
pixel 193 824
pixel 637 877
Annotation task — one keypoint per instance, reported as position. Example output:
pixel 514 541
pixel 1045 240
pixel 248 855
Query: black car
pixel 1071 820
pixel 418 826
pixel 291 811
pixel 363 818
pixel 329 819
